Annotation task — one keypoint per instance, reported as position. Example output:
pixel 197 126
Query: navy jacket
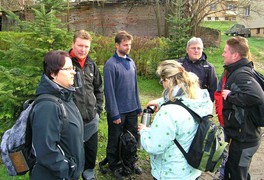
pixel 58 144
pixel 204 70
pixel 120 86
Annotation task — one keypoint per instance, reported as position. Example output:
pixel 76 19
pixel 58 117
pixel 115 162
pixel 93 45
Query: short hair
pixel 239 45
pixel 82 34
pixel 194 40
pixel 122 35
pixel 54 61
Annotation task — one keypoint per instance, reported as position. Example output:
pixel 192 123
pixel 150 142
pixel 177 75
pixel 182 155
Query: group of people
pixel 68 149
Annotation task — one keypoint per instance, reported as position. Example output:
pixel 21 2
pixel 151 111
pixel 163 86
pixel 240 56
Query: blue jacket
pixel 204 70
pixel 58 144
pixel 120 86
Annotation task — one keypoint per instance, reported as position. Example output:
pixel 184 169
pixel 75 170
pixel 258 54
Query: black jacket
pixel 245 92
pixel 89 92
pixel 204 70
pixel 58 143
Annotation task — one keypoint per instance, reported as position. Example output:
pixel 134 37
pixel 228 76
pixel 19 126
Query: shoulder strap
pixel 58 101
pixel 206 74
pixel 194 115
pixel 179 102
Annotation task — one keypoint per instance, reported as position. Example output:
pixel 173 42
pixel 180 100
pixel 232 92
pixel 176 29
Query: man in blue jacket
pixel 122 99
pixel 196 61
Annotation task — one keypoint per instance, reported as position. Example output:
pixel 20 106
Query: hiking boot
pixel 118 174
pixel 137 169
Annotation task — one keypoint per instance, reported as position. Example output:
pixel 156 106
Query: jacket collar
pixel 242 62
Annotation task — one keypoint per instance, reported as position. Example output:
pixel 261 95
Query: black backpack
pixel 256 113
pixel 127 151
pixel 208 145
pixel 127 154
pixel 17 153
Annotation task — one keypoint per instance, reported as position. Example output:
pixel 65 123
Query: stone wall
pixel 137 19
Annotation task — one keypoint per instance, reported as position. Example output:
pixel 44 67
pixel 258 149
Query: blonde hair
pixel 82 34
pixel 172 71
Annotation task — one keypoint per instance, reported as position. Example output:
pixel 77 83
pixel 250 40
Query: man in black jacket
pixel 241 91
pixel 88 97
pixel 196 61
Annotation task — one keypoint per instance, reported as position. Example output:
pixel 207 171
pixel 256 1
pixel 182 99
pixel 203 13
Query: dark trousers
pixel 129 121
pixel 90 149
pixel 239 159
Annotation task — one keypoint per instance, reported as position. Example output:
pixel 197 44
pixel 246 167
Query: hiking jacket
pixel 245 92
pixel 204 70
pixel 58 143
pixel 120 86
pixel 89 91
pixel 174 121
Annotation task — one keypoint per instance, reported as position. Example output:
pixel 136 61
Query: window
pixel 216 18
pixel 247 11
pixel 226 18
pixel 258 31
pixel 233 18
pixel 209 18
pixel 231 7
pixel 213 7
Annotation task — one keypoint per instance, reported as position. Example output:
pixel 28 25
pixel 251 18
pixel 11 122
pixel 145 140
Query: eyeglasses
pixel 69 68
pixel 196 48
pixel 161 81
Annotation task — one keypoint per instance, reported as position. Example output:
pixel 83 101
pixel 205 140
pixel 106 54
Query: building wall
pixel 138 20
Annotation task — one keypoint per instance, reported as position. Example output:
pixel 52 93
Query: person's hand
pixel 153 103
pixel 225 93
pixel 141 126
pixel 140 114
pixel 118 121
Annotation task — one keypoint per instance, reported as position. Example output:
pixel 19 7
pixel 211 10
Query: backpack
pixel 208 145
pixel 256 113
pixel 127 154
pixel 17 153
pixel 127 151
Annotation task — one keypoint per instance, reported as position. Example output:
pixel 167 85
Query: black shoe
pixel 118 174
pixel 137 169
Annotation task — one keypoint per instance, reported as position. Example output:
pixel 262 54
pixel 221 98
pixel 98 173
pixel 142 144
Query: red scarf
pixel 219 100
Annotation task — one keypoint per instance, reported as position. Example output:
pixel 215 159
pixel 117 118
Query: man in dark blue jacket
pixel 196 61
pixel 122 99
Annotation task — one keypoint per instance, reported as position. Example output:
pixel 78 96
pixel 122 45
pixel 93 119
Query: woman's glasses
pixel 69 68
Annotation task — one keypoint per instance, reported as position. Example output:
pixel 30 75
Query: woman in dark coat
pixel 57 141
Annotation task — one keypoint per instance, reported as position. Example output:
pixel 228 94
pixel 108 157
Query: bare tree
pixel 197 10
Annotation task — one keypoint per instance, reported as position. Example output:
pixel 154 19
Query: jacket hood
pixel 47 86
pixel 202 105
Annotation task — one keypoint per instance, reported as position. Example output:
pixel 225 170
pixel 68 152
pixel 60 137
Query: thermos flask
pixel 146 118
